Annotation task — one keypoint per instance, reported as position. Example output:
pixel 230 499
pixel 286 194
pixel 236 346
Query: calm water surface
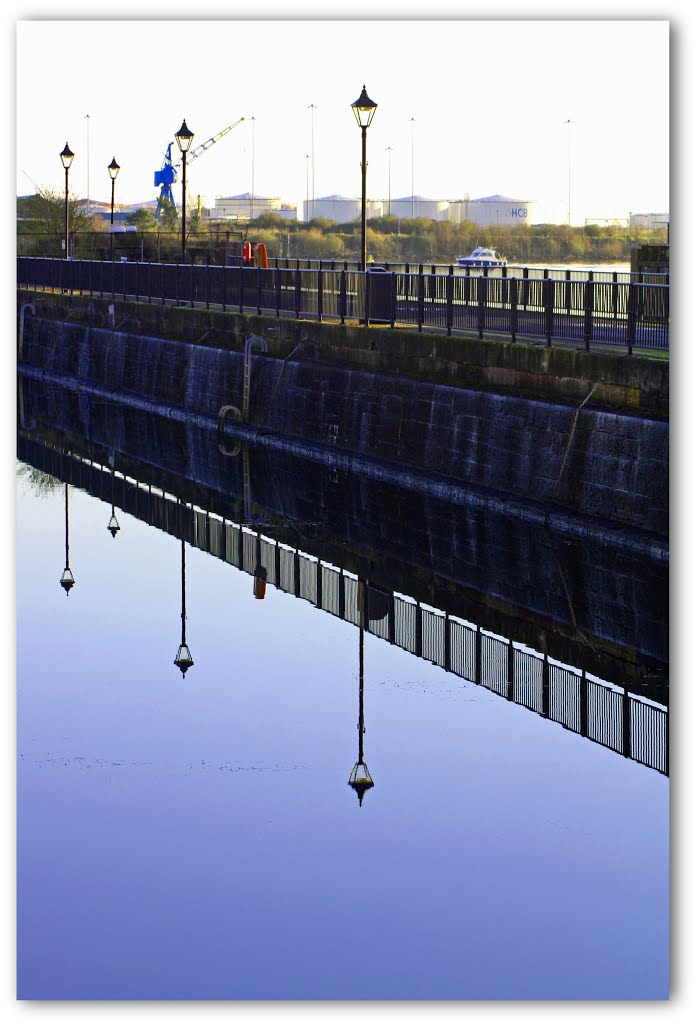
pixel 195 837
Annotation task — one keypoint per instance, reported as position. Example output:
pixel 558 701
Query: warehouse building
pixel 249 206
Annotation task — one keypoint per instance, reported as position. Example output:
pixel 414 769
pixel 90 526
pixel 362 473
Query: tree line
pixel 41 225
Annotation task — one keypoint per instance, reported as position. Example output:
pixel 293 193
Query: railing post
pixel 318 584
pixel 420 300
pixel 481 305
pixel 191 285
pixel 583 703
pixel 298 289
pixel 342 296
pixel 296 573
pixel 513 302
pixel 277 564
pixel 224 273
pixel 258 284
pixel 342 595
pixel 511 671
pixel 241 270
pixel 626 725
pixel 548 289
pixel 449 287
pixel 366 298
pixel 588 297
pixel 545 687
pixel 418 631
pixel 631 316
pixel 278 289
pixel 319 292
pixel 478 656
pixel 446 643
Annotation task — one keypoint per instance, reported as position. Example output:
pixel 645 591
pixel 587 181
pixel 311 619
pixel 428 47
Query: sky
pixel 490 101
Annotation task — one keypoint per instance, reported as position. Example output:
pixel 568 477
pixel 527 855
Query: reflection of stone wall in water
pixel 582 584
pixel 594 462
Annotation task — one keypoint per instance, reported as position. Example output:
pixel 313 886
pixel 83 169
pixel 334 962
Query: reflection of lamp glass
pixel 360 779
pixel 183 660
pixel 67 580
pixel 113 526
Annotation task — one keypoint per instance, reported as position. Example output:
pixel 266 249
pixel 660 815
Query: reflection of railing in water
pixel 611 717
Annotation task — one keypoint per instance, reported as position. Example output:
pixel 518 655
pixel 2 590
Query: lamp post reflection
pixel 67 580
pixel 360 780
pixel 183 660
pixel 113 525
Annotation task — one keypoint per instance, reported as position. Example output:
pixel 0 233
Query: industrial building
pixel 250 206
pixel 492 210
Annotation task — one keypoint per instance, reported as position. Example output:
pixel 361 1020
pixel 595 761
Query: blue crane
pixel 167 175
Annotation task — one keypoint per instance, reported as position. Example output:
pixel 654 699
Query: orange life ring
pixel 260 255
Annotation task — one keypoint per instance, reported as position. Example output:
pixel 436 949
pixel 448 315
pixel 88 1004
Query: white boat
pixel 482 258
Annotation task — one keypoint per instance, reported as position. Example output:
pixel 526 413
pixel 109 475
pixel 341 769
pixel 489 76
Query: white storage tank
pixel 418 206
pixel 492 210
pixel 340 209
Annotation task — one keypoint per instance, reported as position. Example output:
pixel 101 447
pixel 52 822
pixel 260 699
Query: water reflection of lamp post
pixel 113 526
pixel 67 579
pixel 183 660
pixel 364 109
pixel 360 780
pixel 184 138
pixel 66 159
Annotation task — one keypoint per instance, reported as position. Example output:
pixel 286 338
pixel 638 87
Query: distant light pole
pixel 66 159
pixel 568 155
pixel 312 108
pixel 184 138
pixel 364 110
pixel 412 121
pixel 307 186
pixel 251 201
pixel 87 119
pixel 389 179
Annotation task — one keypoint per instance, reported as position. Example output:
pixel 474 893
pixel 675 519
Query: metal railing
pixel 584 313
pixel 592 708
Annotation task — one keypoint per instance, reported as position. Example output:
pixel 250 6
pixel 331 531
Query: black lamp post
pixel 364 110
pixel 67 580
pixel 184 138
pixel 360 780
pixel 113 170
pixel 66 159
pixel 183 660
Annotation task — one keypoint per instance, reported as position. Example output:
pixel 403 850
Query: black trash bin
pixel 380 293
